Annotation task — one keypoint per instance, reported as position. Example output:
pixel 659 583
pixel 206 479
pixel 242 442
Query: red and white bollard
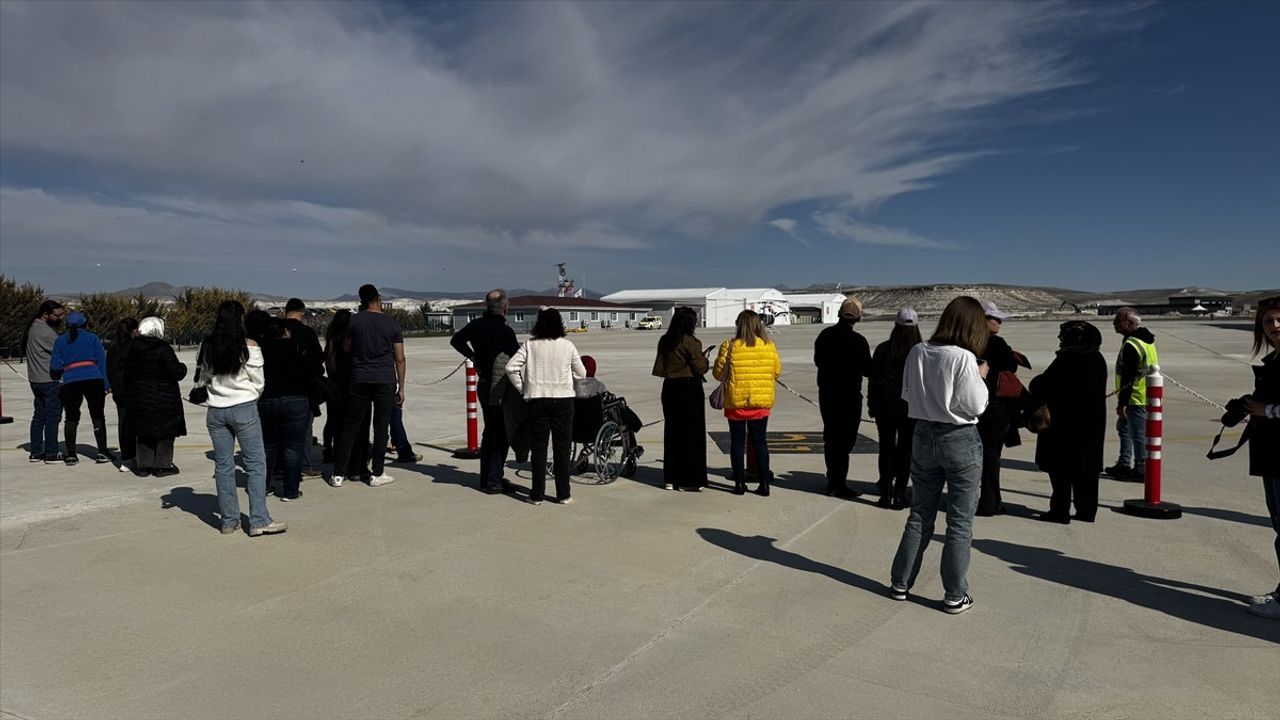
pixel 1151 506
pixel 472 450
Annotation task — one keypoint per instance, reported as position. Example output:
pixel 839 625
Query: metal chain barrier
pixel 437 382
pixel 793 392
pixel 1195 394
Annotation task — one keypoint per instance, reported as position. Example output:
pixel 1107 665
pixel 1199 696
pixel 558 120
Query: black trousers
pixel 1077 487
pixel 894 436
pixel 992 428
pixel 155 453
pixel 493 445
pixel 382 396
pixel 684 433
pixel 128 441
pixel 841 418
pixel 93 393
pixel 759 432
pixel 550 418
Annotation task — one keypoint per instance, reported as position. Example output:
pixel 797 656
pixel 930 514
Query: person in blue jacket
pixel 80 362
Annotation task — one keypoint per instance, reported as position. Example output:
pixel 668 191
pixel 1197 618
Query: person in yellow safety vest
pixel 1137 357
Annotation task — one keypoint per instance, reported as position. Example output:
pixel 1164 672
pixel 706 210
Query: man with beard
pixel 38 344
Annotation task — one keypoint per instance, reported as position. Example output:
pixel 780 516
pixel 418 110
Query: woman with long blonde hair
pixel 749 366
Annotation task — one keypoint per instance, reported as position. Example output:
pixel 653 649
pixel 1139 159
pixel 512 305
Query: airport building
pixel 717 307
pixel 815 308
pixel 578 312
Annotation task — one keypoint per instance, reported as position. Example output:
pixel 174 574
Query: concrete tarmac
pixel 428 599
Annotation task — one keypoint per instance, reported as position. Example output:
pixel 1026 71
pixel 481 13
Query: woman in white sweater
pixel 231 370
pixel 543 371
pixel 945 393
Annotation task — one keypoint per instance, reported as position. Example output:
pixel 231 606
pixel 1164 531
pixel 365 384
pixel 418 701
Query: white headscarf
pixel 151 327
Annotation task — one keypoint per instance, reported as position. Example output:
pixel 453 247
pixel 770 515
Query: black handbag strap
pixel 1214 453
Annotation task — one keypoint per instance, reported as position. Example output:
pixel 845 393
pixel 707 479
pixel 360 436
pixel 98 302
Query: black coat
pixel 1075 388
pixel 843 358
pixel 153 403
pixel 884 390
pixel 1264 433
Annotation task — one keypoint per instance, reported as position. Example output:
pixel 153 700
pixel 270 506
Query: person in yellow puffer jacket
pixel 749 366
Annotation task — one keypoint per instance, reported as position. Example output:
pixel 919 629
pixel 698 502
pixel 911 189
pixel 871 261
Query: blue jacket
pixel 83 359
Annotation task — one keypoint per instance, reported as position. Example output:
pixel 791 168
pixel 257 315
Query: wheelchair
pixel 604 439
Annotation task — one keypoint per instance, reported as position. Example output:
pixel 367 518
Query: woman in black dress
pixel 682 365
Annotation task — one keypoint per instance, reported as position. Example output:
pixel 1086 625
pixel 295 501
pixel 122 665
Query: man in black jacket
pixel 843 359
pixel 295 312
pixel 482 341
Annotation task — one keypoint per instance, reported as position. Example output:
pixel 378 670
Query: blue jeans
pixel 44 420
pixel 950 454
pixel 400 438
pixel 1132 427
pixel 226 425
pixel 284 434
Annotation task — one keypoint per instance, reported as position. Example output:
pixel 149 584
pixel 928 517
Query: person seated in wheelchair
pixel 594 405
pixel 589 386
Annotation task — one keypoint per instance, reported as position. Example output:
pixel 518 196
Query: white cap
pixel 907 316
pixel 990 310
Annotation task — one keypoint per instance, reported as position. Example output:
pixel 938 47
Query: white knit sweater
pixel 243 387
pixel 545 369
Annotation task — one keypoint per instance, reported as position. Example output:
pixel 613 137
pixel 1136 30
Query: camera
pixel 1236 412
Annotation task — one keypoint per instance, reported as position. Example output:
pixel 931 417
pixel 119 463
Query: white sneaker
pixel 381 480
pixel 1264 598
pixel 1269 609
pixel 335 480
pixel 668 486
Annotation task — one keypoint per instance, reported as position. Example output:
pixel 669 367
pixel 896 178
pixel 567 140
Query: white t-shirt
pixel 941 384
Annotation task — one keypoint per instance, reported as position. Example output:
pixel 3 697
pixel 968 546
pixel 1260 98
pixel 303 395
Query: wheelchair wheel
pixel 610 451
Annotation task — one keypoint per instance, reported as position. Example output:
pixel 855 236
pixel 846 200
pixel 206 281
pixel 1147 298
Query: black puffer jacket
pixel 1075 388
pixel 153 402
pixel 1264 433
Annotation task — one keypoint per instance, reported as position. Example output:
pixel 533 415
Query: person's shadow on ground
pixel 203 506
pixel 1225 610
pixel 763 548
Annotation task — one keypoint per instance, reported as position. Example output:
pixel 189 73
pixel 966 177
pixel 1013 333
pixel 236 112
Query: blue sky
pixel 307 148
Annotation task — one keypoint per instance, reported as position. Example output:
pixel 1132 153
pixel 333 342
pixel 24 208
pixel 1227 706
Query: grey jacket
pixel 40 342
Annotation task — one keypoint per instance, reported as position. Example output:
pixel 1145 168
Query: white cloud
pixel 843 225
pixel 786 225
pixel 597 125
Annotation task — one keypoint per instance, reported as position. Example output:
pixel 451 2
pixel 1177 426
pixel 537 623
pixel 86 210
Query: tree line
pixel 187 319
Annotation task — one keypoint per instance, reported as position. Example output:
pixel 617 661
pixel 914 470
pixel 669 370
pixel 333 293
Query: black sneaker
pixel 897 593
pixel 955 607
pixel 35 458
pixel 54 459
pixel 102 457
pixel 291 498
pixel 72 460
pixel 1118 471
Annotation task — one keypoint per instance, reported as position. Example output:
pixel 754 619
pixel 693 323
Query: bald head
pixel 496 301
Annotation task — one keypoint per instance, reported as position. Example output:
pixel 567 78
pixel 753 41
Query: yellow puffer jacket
pixel 751 374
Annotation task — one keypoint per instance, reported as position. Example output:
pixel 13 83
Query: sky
pixel 307 148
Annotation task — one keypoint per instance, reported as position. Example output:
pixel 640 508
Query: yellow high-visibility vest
pixel 1146 358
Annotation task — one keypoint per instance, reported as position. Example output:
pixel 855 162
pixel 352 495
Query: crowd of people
pixel 944 408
